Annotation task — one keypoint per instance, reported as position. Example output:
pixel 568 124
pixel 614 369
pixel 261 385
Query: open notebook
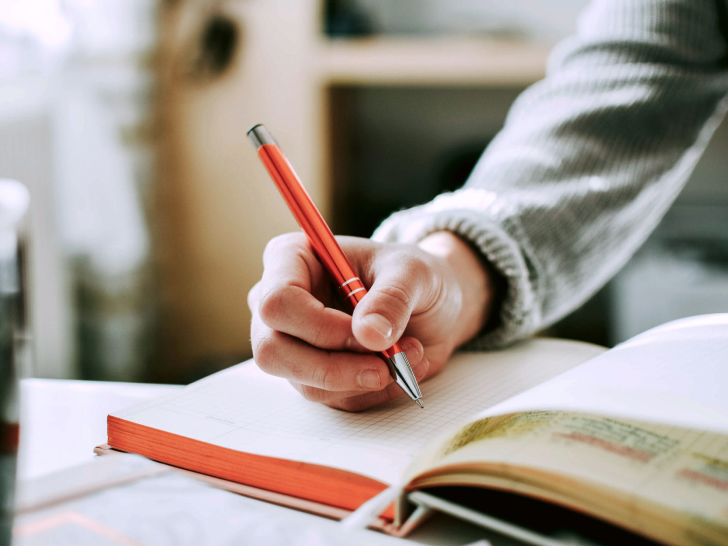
pixel 245 410
pixel 479 428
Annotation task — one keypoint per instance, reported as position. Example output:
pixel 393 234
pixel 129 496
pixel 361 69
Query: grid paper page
pixel 244 409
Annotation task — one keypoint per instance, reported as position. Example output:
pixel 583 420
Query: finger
pixel 320 395
pixel 288 261
pixel 293 311
pixel 414 352
pixel 361 402
pixel 284 301
pixel 399 288
pixel 282 355
pixel 291 257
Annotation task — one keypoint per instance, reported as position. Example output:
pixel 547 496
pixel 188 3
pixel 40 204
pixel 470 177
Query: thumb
pixel 381 317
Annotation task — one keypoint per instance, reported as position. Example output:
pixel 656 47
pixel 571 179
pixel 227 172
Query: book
pixel 636 436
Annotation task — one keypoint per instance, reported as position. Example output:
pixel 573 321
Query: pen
pixel 324 244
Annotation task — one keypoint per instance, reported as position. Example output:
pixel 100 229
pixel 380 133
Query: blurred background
pixel 150 212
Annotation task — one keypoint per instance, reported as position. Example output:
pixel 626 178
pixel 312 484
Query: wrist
pixel 474 277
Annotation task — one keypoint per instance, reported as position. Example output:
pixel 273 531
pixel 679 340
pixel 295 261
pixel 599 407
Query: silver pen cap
pixel 260 136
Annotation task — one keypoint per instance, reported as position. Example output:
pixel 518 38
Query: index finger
pixel 285 299
pixel 290 258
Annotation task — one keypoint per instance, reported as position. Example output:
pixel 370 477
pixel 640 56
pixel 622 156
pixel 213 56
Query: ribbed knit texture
pixel 590 158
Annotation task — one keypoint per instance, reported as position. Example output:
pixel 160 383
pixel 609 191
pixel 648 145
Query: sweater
pixel 589 159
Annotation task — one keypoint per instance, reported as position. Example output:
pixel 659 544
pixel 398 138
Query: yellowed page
pixel 244 409
pixel 637 464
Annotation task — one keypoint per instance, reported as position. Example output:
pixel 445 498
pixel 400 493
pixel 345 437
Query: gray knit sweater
pixel 590 158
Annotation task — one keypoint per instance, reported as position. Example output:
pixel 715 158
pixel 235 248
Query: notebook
pixel 635 436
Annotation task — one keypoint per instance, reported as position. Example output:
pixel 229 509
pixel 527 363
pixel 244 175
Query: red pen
pixel 328 250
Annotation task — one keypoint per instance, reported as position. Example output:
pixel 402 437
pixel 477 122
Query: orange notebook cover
pixel 266 495
pixel 321 485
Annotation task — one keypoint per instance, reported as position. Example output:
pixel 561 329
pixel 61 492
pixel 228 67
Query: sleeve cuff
pixel 472 215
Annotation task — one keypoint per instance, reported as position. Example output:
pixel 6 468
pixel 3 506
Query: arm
pixel 589 159
pixel 587 164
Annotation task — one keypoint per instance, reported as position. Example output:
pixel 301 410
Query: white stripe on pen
pixel 350 280
pixel 355 291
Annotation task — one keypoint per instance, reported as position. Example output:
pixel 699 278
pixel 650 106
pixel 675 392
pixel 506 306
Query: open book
pixel 636 436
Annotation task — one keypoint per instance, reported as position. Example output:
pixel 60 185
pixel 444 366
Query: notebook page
pixel 675 374
pixel 244 409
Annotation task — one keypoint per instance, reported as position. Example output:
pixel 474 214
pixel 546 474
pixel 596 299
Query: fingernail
pixel 351 344
pixel 369 379
pixel 379 323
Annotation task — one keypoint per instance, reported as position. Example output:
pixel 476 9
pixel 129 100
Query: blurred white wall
pixel 33 36
pixel 75 94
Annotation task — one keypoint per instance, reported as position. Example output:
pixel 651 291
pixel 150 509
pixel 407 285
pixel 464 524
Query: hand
pixel 430 297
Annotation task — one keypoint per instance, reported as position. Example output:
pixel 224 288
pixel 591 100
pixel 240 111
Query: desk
pixel 62 421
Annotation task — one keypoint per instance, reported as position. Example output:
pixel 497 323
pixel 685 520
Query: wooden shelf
pixel 430 61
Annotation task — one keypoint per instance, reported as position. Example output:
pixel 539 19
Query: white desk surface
pixel 62 421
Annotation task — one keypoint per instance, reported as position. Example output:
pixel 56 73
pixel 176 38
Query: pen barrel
pixel 308 216
pixel 353 290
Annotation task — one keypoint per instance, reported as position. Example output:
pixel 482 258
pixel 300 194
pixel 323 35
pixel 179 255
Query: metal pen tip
pixel 419 403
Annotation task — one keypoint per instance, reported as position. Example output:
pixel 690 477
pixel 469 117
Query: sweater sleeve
pixel 589 159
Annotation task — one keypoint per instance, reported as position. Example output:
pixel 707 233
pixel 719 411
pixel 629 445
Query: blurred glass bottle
pixel 14 201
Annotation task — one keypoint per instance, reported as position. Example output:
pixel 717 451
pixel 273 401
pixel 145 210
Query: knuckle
pixel 272 302
pixel 264 350
pixel 352 404
pixel 326 378
pixel 320 335
pixel 396 299
pixel 311 394
pixel 280 242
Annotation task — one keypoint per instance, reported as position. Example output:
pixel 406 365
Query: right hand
pixel 430 298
